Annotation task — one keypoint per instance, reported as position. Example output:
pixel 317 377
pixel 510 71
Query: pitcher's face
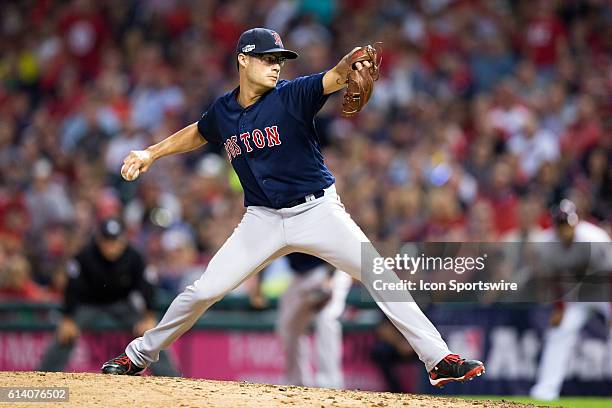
pixel 263 70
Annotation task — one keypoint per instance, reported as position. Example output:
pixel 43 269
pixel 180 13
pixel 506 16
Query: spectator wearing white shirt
pixel 533 146
pixel 47 200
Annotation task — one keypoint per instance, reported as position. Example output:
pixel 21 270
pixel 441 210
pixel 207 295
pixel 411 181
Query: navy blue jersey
pixel 272 144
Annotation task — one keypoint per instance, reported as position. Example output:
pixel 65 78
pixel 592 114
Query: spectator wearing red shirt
pixel 585 132
pixel 84 30
pixel 14 216
pixel 69 95
pixel 502 197
pixel 228 24
pixel 445 220
pixel 16 281
pixel 544 38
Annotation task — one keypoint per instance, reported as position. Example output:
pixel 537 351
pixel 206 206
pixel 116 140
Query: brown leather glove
pixel 67 331
pixel 317 298
pixel 361 81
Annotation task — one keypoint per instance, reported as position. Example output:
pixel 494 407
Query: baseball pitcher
pixel 266 127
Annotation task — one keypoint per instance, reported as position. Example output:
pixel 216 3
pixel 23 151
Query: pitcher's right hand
pixel 138 161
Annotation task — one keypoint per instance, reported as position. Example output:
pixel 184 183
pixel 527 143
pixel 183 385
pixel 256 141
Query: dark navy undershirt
pixel 272 144
pixel 303 263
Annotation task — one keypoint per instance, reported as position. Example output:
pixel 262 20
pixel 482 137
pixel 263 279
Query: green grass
pixel 566 402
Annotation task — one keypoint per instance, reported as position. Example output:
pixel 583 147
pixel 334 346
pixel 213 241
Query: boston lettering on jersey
pixel 271 139
pixel 272 144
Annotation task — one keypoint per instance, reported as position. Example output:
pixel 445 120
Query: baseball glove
pixel 361 82
pixel 317 298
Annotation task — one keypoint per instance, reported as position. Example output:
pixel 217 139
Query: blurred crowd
pixel 486 114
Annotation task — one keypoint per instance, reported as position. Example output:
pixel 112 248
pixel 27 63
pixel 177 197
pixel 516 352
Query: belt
pixel 302 200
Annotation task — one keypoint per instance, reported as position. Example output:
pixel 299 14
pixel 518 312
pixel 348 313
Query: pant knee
pixel 204 294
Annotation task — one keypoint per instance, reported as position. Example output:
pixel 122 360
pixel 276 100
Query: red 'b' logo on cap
pixel 277 39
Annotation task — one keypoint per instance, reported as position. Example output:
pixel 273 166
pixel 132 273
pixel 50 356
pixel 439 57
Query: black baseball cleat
pixel 121 365
pixel 455 368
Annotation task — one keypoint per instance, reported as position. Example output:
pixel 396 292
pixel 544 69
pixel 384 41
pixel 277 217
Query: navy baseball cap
pixel 111 228
pixel 262 41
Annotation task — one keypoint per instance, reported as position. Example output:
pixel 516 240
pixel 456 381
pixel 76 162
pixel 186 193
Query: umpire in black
pixel 106 278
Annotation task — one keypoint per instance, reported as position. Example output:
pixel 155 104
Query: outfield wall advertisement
pixel 508 340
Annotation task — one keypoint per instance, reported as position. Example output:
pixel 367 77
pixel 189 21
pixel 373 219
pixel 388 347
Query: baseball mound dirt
pixel 96 390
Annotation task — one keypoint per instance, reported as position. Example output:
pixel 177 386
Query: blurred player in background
pixel 316 295
pixel 389 352
pixel 565 257
pixel 106 279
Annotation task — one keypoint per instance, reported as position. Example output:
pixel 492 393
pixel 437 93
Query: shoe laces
pixel 123 360
pixel 454 358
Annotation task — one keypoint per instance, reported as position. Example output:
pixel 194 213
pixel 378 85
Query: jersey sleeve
pixel 207 126
pixel 304 96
